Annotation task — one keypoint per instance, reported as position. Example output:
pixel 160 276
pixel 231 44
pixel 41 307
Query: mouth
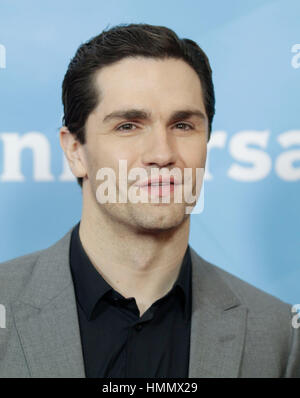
pixel 160 189
pixel 159 186
pixel 158 181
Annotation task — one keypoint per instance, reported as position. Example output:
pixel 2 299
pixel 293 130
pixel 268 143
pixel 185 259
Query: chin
pixel 159 218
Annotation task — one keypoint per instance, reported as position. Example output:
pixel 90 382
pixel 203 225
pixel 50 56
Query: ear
pixel 73 151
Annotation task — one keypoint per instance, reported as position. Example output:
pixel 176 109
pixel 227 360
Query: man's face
pixel 160 88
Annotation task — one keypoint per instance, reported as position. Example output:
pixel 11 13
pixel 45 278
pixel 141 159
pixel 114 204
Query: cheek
pixel 108 154
pixel 194 155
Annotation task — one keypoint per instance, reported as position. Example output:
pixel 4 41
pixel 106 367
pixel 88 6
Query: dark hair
pixel 79 94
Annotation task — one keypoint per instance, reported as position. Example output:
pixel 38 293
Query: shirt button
pixel 138 327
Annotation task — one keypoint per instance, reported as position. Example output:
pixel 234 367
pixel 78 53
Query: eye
pixel 184 124
pixel 123 127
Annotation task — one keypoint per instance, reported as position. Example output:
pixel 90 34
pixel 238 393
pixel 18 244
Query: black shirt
pixel 116 341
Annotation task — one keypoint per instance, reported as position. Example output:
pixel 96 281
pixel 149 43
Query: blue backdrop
pixel 250 225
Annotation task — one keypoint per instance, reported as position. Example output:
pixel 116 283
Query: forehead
pixel 148 82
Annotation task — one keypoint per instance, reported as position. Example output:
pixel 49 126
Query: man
pixel 122 294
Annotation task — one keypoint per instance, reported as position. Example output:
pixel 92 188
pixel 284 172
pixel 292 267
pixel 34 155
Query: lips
pixel 156 184
pixel 159 186
pixel 158 181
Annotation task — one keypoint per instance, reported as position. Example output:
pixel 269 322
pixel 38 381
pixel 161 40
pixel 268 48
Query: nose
pixel 159 149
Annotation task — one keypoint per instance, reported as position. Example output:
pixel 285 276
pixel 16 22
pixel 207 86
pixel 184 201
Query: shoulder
pixel 270 330
pixel 255 299
pixel 273 332
pixel 15 273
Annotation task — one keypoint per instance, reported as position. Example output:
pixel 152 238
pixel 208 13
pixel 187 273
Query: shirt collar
pixel 183 282
pixel 90 286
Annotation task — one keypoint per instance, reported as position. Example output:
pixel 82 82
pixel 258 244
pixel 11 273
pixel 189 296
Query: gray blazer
pixel 236 331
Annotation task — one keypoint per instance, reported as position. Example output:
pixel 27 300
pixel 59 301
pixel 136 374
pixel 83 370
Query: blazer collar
pixel 46 318
pixel 51 274
pixel 218 324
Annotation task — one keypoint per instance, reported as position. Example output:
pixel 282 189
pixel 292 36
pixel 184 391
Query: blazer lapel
pixel 218 324
pixel 46 317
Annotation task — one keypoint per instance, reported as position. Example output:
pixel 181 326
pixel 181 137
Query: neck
pixel 141 265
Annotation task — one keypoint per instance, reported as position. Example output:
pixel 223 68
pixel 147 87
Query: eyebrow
pixel 142 114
